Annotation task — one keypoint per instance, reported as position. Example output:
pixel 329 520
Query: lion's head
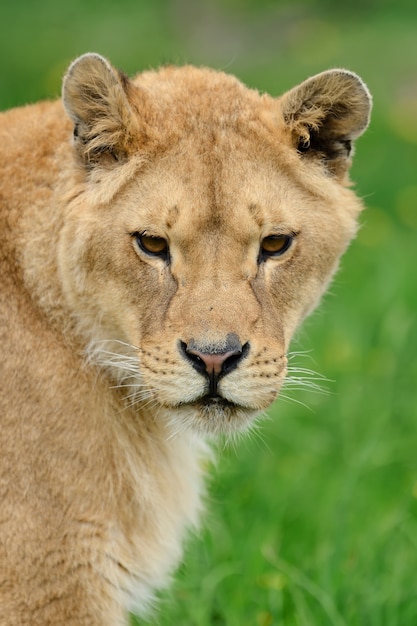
pixel 206 222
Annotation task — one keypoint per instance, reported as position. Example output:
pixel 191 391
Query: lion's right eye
pixel 155 246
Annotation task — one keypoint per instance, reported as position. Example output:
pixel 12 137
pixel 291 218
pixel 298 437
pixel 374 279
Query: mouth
pixel 212 414
pixel 215 401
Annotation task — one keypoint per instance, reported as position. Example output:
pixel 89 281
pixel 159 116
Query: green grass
pixel 313 521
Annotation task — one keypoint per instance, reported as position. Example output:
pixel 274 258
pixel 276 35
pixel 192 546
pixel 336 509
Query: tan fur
pixel 102 426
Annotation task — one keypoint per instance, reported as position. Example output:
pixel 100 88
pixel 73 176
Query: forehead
pixel 217 181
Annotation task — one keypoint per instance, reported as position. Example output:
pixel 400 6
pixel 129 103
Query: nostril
pixel 232 361
pixel 196 361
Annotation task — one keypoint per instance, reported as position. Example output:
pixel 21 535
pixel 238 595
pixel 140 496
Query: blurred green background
pixel 313 520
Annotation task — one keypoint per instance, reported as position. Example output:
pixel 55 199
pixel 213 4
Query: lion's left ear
pixel 95 97
pixel 325 114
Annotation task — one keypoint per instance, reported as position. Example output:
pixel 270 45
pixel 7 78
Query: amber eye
pixel 156 246
pixel 275 245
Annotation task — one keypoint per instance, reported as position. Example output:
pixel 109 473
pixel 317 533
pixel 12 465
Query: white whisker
pixel 122 361
pixel 290 399
pixel 302 378
pixel 294 354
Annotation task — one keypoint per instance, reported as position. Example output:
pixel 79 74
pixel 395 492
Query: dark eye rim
pixel 139 236
pixel 288 241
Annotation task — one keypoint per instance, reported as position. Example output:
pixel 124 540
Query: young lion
pixel 161 240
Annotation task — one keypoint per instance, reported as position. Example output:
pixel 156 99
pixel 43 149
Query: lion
pixel 162 238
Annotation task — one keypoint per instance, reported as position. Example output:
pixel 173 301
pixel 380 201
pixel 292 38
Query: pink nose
pixel 213 363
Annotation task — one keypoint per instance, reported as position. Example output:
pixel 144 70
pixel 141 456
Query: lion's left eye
pixel 275 245
pixel 155 246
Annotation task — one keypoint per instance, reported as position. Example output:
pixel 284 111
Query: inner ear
pixel 325 114
pixel 95 97
pixel 317 141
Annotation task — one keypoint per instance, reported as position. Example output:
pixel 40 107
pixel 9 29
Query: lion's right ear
pixel 95 97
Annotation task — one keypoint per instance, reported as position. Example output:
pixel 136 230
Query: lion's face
pixel 196 268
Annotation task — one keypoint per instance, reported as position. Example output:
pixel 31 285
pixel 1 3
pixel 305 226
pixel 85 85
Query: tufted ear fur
pixel 325 113
pixel 96 98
